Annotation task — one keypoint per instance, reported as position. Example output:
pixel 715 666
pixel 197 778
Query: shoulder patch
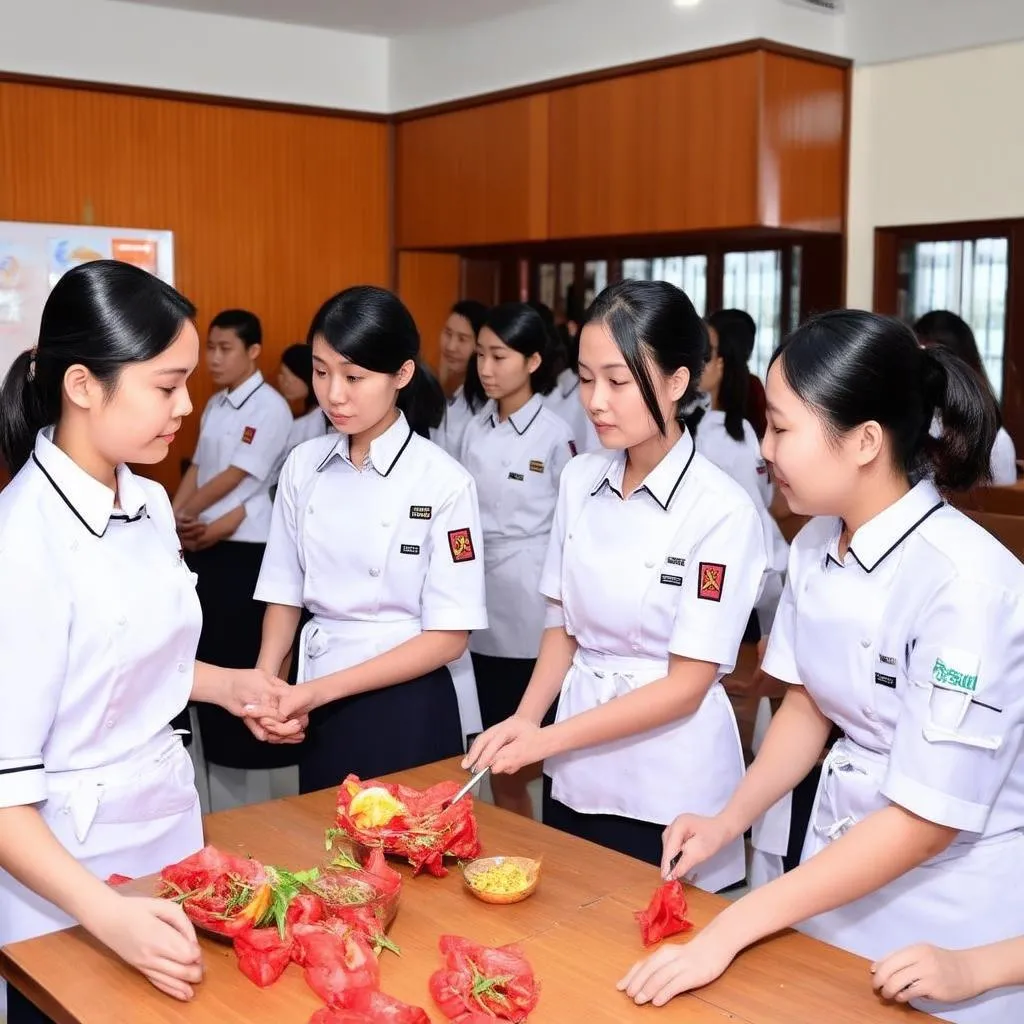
pixel 710 581
pixel 460 543
pixel 248 434
pixel 572 448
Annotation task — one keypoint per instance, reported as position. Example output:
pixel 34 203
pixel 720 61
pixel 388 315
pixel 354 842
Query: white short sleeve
pixel 780 656
pixel 722 581
pixel 282 578
pixel 959 729
pixel 262 442
pixel 561 457
pixel 201 455
pixel 551 575
pixel 453 591
pixel 35 623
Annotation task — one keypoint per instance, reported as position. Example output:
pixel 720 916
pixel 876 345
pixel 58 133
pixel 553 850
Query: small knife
pixel 477 777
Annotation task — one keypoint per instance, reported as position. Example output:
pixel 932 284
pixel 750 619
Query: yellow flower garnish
pixel 374 807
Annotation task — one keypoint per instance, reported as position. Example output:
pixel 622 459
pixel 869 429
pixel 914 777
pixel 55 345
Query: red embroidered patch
pixel 572 448
pixel 248 434
pixel 461 545
pixel 710 580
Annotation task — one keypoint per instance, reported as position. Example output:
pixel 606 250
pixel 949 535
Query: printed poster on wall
pixel 34 257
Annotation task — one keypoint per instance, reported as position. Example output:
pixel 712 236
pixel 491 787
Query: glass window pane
pixel 548 284
pixel 595 274
pixel 968 278
pixel 752 281
pixel 687 272
pixel 636 270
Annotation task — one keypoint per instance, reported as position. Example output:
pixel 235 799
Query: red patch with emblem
pixel 710 580
pixel 460 543
pixel 572 448
pixel 248 434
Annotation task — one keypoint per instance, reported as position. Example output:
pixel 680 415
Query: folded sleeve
pixel 282 575
pixel 723 578
pixel 453 591
pixel 959 729
pixel 35 631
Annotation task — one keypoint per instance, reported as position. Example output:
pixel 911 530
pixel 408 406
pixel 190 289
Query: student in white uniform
pixel 295 382
pixel 725 437
pixel 465 397
pixel 655 561
pixel 377 533
pixel 902 621
pixel 223 510
pixel 948 331
pixel 99 623
pixel 516 450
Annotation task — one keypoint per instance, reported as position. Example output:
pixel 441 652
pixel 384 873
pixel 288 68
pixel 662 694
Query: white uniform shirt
pixel 397 542
pixel 675 568
pixel 742 461
pixel 913 644
pixel 1003 461
pixel 99 622
pixel 307 426
pixel 517 465
pixel 246 428
pixel 564 400
pixel 457 415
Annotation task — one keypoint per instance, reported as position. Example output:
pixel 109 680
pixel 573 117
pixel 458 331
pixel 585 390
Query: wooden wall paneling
pixel 273 211
pixel 670 150
pixel 429 283
pixel 481 280
pixel 802 153
pixel 821 275
pixel 473 177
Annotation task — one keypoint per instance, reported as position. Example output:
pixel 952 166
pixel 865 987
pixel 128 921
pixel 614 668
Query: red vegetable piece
pixel 336 959
pixel 115 880
pixel 665 915
pixel 384 1009
pixel 263 955
pixel 483 982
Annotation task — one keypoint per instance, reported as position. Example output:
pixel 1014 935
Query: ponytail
pixel 26 406
pixel 960 456
pixel 422 401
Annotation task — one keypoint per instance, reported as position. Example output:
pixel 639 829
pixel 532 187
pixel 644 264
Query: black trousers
pixel 381 732
pixel 21 1011
pixel 231 637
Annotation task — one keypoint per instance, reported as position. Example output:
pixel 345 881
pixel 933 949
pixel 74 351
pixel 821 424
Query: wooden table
pixel 577 930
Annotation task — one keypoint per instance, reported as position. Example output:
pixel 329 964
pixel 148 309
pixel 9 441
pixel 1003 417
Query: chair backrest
pixel 1007 501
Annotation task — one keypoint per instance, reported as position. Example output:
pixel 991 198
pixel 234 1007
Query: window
pixel 690 273
pixel 753 281
pixel 968 278
pixel 595 280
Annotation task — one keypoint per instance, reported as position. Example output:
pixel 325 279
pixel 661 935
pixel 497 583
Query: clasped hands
pixel 274 711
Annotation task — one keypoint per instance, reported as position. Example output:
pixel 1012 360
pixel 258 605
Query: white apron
pixel 695 763
pixel 333 645
pixel 769 836
pixel 970 895
pixel 131 818
pixel 515 605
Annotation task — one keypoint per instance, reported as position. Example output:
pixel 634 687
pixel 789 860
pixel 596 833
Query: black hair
pixel 299 359
pixel 471 310
pixel 653 320
pixel 522 328
pixel 854 367
pixel 558 355
pixel 735 387
pixel 245 324
pixel 101 315
pixel 738 322
pixel 371 327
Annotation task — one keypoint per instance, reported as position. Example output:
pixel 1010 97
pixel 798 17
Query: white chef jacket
pixel 99 625
pixel 247 428
pixel 517 465
pixel 913 643
pixel 457 415
pixel 672 569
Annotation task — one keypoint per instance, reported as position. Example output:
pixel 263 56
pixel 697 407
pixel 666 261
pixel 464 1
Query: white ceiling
pixel 374 17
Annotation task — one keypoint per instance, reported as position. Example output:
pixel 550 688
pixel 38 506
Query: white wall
pixel 933 140
pixel 582 35
pixel 133 44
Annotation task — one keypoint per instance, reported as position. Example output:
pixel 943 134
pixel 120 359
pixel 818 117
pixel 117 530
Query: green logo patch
pixel 950 677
